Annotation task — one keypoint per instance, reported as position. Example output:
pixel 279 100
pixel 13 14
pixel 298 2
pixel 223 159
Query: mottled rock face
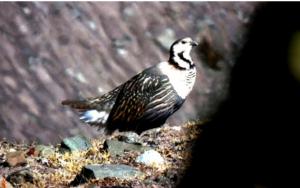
pixel 98 172
pixel 151 158
pixel 20 177
pixel 76 143
pixel 15 158
pixel 53 51
pixel 117 148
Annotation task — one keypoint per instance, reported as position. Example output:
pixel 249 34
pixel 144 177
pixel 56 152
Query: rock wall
pixel 55 51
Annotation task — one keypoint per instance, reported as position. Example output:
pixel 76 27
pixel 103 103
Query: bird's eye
pixel 183 42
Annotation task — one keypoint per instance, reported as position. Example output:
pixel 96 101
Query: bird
pixel 146 100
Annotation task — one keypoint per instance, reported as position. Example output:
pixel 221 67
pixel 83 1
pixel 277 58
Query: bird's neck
pixel 182 60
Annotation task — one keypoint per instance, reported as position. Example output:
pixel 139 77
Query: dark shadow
pixel 252 139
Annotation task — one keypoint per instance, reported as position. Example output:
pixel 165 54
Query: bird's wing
pixel 142 98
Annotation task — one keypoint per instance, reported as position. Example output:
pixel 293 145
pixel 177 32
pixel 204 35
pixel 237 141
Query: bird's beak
pixel 193 43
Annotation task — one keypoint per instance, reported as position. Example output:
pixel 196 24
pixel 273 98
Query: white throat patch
pixel 181 80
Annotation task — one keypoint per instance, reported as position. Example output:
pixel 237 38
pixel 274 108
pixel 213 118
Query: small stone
pixel 151 158
pixel 15 158
pixel 129 11
pixel 20 177
pixel 100 90
pixel 26 10
pixel 121 42
pixel 76 143
pixel 70 72
pixel 176 128
pixel 116 148
pixel 23 28
pixel 12 150
pixel 44 151
pixel 4 183
pixel 76 75
pixel 92 25
pixel 129 137
pixel 81 78
pixel 122 51
pixel 101 171
pixel 166 38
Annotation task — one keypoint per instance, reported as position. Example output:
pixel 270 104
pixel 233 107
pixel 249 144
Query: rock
pixel 166 38
pixel 4 183
pixel 15 158
pixel 76 75
pixel 99 171
pixel 44 151
pixel 20 177
pixel 121 42
pixel 76 143
pixel 92 25
pixel 129 11
pixel 151 158
pixel 122 51
pixel 115 147
pixel 129 137
pixel 81 78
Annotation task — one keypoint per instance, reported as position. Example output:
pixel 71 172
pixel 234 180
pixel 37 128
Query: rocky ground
pixel 157 158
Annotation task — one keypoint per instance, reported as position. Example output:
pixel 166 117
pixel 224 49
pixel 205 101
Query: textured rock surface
pixel 60 169
pixel 129 137
pixel 151 158
pixel 115 147
pixel 76 143
pixel 20 177
pixel 59 50
pixel 44 151
pixel 97 171
pixel 15 158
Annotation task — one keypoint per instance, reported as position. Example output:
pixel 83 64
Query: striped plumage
pixel 146 100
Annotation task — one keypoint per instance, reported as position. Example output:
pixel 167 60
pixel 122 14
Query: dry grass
pixel 59 169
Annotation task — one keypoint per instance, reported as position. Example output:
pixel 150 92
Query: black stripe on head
pixel 180 55
pixel 175 64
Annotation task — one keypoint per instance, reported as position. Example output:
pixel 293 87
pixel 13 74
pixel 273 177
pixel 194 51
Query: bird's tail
pixel 88 112
pixel 80 105
pixel 95 110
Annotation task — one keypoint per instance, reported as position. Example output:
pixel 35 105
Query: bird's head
pixel 180 53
